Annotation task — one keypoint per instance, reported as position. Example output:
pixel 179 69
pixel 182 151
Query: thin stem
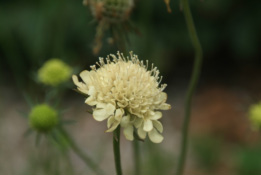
pixel 192 85
pixel 136 154
pixel 87 160
pixel 116 150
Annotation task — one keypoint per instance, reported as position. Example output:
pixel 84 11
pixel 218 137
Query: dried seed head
pixel 112 11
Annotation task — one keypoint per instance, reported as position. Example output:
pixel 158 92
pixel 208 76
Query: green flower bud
pixel 255 115
pixel 54 72
pixel 43 118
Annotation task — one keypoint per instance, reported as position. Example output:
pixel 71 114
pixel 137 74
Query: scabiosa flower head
pixel 111 15
pixel 255 115
pixel 54 72
pixel 127 93
pixel 43 118
pixel 112 11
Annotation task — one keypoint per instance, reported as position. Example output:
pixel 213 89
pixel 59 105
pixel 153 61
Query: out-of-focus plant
pixel 111 15
pixel 49 160
pixel 207 150
pixel 31 31
pixel 255 115
pixel 54 72
pixel 46 121
pixel 192 84
pixel 156 160
pixel 249 161
pixel 52 156
pixel 43 118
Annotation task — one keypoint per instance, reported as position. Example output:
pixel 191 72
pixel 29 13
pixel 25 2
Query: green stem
pixel 136 156
pixel 193 82
pixel 87 160
pixel 116 150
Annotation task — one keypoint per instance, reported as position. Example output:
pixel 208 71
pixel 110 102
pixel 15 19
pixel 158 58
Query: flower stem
pixel 136 150
pixel 87 160
pixel 116 150
pixel 193 82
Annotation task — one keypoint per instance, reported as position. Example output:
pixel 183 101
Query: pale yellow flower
pixel 255 115
pixel 125 92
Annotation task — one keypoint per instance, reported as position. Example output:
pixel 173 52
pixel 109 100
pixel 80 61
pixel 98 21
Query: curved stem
pixel 116 150
pixel 193 82
pixel 87 160
pixel 136 150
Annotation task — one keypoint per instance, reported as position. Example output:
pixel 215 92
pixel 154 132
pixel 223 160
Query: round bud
pixel 54 72
pixel 255 115
pixel 43 118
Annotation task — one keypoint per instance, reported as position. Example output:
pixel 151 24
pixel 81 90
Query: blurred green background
pixel 32 32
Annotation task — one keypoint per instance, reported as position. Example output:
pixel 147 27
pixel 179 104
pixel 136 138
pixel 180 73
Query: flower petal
pixel 118 114
pixel 138 122
pixel 157 115
pixel 80 86
pixel 110 109
pixel 76 81
pixel 100 114
pixel 155 136
pixel 110 121
pixel 101 105
pixel 114 126
pixel 122 104
pixel 91 101
pixel 85 76
pixel 128 132
pixel 164 106
pixel 103 111
pixel 135 112
pixel 148 126
pixel 92 90
pixel 158 125
pixel 163 97
pixel 125 121
pixel 142 134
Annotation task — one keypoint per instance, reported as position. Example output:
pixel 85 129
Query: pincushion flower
pixel 126 93
pixel 255 115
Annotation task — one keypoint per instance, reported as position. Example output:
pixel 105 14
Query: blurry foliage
pixel 235 25
pixel 207 151
pixel 49 160
pixel 34 31
pixel 249 161
pixel 31 32
pixel 157 160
